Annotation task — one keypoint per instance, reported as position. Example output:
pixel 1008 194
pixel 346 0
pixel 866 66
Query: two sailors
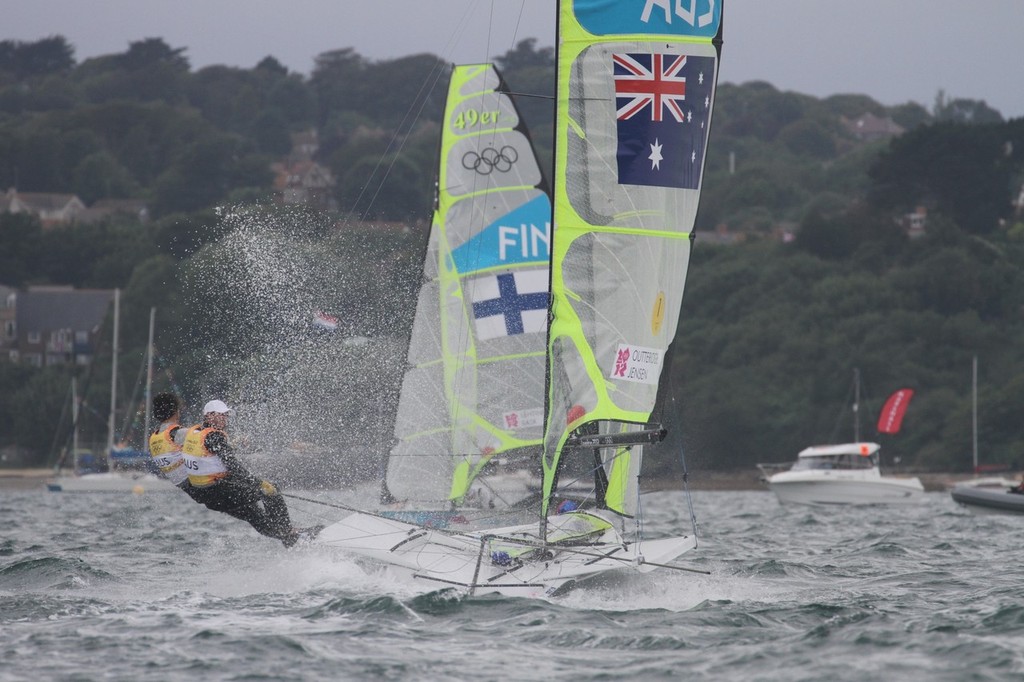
pixel 202 462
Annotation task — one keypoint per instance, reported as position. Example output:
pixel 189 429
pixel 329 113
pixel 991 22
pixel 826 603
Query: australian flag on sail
pixel 663 106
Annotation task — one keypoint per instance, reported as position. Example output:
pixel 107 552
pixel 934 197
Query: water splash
pixel 314 407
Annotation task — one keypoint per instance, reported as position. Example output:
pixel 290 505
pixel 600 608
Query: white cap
pixel 217 406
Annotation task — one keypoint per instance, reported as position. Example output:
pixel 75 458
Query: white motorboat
pixel 847 473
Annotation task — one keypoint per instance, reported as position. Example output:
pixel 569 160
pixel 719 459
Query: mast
pixel 149 374
pixel 74 422
pixel 546 493
pixel 974 411
pixel 856 405
pixel 111 420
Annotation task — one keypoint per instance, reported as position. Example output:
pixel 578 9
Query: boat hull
pixel 111 482
pixel 986 500
pixel 486 561
pixel 833 488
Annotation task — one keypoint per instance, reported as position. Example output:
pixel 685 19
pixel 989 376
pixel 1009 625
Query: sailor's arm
pixel 217 443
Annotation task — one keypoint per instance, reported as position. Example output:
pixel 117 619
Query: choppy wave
pixel 138 588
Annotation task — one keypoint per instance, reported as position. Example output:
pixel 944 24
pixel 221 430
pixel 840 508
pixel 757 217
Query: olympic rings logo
pixel 490 160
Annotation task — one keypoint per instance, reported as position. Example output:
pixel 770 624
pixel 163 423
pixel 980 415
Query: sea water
pixel 155 587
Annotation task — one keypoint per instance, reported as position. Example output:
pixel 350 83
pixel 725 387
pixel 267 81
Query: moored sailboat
pixel 119 477
pixel 634 101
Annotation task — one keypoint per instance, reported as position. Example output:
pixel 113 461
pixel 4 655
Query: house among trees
pixel 51 325
pixel 301 180
pixel 103 209
pixel 868 128
pixel 304 182
pixel 51 209
pixel 305 145
pixel 916 222
pixel 8 324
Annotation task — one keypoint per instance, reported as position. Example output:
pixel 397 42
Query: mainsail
pixel 474 388
pixel 636 85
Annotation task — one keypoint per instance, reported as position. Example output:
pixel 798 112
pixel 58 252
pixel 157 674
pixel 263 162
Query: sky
pixel 894 51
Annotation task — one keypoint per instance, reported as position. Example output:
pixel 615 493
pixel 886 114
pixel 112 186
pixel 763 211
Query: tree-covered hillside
pixel 803 270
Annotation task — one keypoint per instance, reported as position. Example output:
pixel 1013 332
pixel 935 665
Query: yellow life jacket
pixel 167 454
pixel 204 468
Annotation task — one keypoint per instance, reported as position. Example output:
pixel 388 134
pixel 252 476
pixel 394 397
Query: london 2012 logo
pixel 490 160
pixel 636 363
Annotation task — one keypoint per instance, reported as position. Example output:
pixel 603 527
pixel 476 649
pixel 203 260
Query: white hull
pixel 845 488
pixel 501 560
pixel 111 482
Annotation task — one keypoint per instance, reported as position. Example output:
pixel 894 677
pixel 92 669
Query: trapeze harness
pixel 167 454
pixel 204 467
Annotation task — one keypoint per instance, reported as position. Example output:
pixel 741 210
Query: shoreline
pixel 743 479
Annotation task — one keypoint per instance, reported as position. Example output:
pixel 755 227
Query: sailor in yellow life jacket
pixel 220 481
pixel 203 466
pixel 165 442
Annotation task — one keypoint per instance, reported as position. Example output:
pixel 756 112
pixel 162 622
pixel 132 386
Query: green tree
pixel 335 80
pixel 962 171
pixel 42 57
pixel 21 245
pixel 100 176
pixel 387 189
pixel 910 115
pixel 200 175
pixel 961 110
pixel 33 409
pixel 293 100
pixel 808 137
pixel 150 70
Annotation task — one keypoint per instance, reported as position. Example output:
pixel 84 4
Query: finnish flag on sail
pixel 663 103
pixel 510 303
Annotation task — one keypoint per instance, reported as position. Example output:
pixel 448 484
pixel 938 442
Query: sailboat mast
pixel 856 405
pixel 974 411
pixel 543 526
pixel 113 376
pixel 74 422
pixel 149 374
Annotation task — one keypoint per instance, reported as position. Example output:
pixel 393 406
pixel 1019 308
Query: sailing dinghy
pixel 635 91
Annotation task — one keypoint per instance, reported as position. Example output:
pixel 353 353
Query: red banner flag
pixel 891 418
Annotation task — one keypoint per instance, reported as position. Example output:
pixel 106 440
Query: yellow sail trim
pixel 510 188
pixel 514 356
pixel 618 483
